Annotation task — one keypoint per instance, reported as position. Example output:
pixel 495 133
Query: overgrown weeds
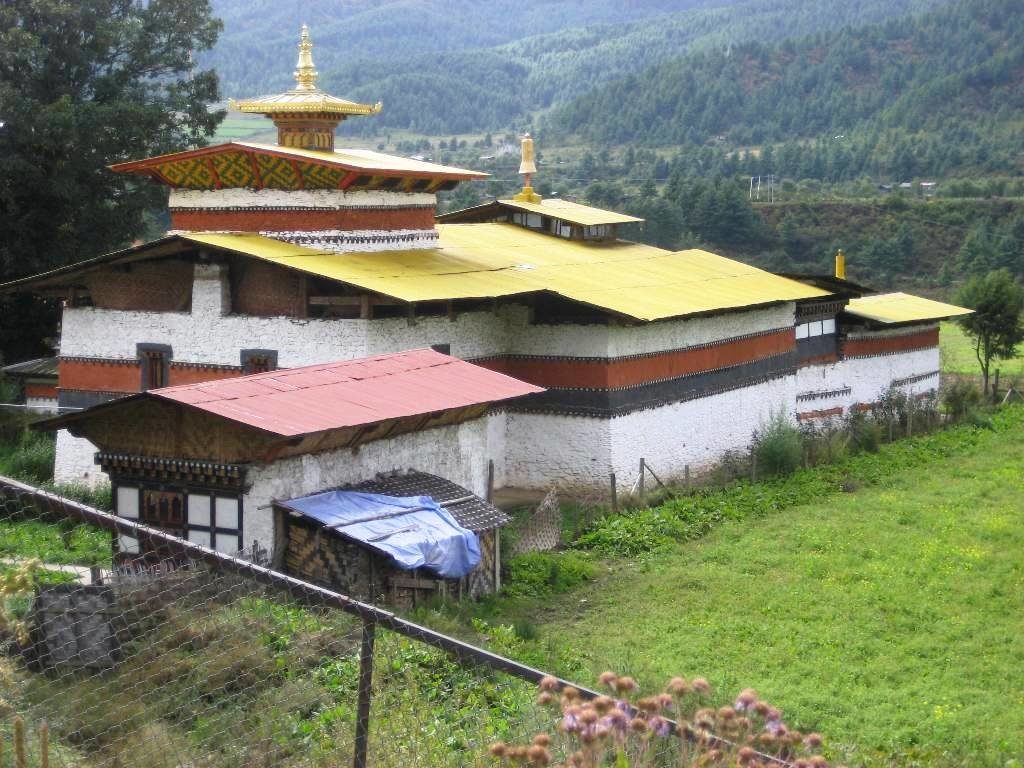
pixel 776 446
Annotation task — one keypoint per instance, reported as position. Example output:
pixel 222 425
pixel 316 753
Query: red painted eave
pixel 148 166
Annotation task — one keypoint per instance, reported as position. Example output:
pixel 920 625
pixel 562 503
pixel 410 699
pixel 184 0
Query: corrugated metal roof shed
pixel 352 393
pixel 43 367
pixel 468 509
pixel 575 213
pixel 892 308
pixel 494 260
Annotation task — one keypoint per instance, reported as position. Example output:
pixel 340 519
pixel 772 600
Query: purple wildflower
pixel 570 722
pixel 661 726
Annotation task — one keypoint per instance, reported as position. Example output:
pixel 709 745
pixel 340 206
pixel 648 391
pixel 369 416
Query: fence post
pixel 615 494
pixel 44 745
pixel 365 693
pixel 686 476
pixel 490 481
pixel 19 743
pixel 995 387
pixel 640 487
pixel 753 465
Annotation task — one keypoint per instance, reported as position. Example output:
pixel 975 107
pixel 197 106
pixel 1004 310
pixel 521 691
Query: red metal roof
pixel 352 393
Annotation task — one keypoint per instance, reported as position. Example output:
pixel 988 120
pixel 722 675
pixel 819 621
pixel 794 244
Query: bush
pixel 538 574
pixel 960 399
pixel 865 433
pixel 777 447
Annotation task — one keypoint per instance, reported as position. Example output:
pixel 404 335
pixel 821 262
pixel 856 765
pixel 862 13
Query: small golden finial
pixel 840 264
pixel 527 167
pixel 305 71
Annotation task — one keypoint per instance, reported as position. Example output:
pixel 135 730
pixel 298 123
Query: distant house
pixel 37 380
pixel 235 465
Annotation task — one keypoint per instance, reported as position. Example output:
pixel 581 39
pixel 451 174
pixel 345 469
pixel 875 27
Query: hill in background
pixel 946 86
pixel 456 67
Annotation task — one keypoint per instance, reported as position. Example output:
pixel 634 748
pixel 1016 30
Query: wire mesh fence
pixel 193 658
pixel 203 659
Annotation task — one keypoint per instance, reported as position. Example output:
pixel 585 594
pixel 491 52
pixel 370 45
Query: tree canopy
pixel 83 84
pixel 931 94
pixel 997 326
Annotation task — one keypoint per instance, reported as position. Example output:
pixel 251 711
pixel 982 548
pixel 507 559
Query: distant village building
pixel 37 382
pixel 298 254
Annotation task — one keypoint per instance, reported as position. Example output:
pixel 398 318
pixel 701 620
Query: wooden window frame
pixel 154 357
pixel 213 529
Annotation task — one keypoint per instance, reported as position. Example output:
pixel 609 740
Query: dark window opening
pixel 258 360
pixel 155 360
pixel 444 349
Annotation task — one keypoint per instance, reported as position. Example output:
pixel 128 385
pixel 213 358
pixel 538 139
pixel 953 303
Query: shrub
pixel 538 574
pixel 865 433
pixel 777 447
pixel 960 399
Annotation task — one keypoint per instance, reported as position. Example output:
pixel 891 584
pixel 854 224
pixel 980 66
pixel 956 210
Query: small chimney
pixel 840 265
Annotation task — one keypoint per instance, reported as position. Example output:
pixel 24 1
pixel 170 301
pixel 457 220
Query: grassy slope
pixel 887 618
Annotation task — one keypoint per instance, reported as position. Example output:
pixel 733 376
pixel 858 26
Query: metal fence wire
pixel 206 659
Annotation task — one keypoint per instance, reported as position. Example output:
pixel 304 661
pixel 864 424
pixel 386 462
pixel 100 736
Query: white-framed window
pixel 815 328
pixel 205 517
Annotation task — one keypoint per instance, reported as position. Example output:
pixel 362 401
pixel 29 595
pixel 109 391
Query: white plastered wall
pixel 547 450
pixel 868 377
pixel 458 453
pixel 73 462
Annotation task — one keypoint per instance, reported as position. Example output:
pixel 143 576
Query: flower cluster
pixel 675 727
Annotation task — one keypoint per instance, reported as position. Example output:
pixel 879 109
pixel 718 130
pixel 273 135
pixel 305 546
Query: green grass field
pixel 957 354
pixel 889 618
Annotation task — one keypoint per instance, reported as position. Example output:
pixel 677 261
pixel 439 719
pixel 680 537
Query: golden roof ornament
pixel 527 167
pixel 305 116
pixel 305 71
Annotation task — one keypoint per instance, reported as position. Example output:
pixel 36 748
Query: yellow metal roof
pixel 890 308
pixel 494 260
pixel 584 215
pixel 358 160
pixel 364 159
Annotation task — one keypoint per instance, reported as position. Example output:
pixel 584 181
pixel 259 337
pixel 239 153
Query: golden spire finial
pixel 527 167
pixel 305 72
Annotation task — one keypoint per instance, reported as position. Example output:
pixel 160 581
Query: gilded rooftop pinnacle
pixel 527 168
pixel 305 116
pixel 305 97
pixel 305 71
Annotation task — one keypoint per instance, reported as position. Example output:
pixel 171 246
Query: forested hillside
pixel 925 94
pixel 460 66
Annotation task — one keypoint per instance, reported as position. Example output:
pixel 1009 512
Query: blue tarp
pixel 414 531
